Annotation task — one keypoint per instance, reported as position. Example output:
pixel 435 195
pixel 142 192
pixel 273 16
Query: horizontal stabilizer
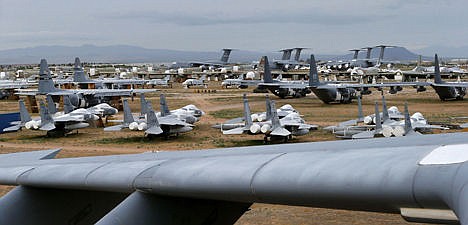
pixel 348 123
pixel 238 130
pixel 47 127
pixel 12 128
pixel 280 131
pixel 154 130
pixel 114 128
pixel 364 135
pixel 28 156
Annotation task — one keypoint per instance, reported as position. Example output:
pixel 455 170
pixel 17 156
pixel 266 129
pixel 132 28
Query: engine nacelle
pixel 133 126
pixel 254 129
pixel 142 126
pixel 387 131
pixel 76 126
pixel 265 128
pixel 398 131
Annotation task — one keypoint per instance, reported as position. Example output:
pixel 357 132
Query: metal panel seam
pixel 252 189
pixel 151 167
pixel 90 172
pixel 18 177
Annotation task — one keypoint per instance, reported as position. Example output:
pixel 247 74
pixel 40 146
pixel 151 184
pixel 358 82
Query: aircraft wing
pixel 13 128
pixel 280 131
pixel 364 135
pixel 428 126
pixel 172 121
pixel 154 130
pixel 115 127
pixel 463 126
pixel 67 118
pixel 389 84
pixel 417 172
pixel 237 130
pixel 461 84
pixel 47 127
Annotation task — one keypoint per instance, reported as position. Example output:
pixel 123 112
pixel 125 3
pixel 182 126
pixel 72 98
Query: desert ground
pixel 222 104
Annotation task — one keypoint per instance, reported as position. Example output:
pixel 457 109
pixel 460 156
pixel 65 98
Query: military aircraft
pixel 280 88
pixel 164 125
pixel 422 178
pixel 447 90
pixel 165 82
pixel 191 82
pixel 189 113
pixel 81 78
pixel 214 63
pixel 286 63
pixel 345 92
pixel 8 87
pixel 79 97
pixel 272 127
pixel 239 82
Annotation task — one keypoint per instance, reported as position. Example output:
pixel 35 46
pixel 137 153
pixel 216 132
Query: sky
pixel 326 27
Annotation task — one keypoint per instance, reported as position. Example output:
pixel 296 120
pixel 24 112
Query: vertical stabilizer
pixel 275 122
pixel 297 56
pixel 44 113
pixel 163 104
pixel 313 73
pixel 408 127
pixel 437 77
pixel 143 105
pixel 67 105
pixel 356 53
pixel 46 84
pixel 128 118
pixel 267 77
pixel 24 114
pixel 247 117
pixel 152 120
pixel 368 53
pixel 225 56
pixel 378 121
pixel 360 114
pixel 382 52
pixel 51 105
pixel 385 115
pixel 268 108
pixel 79 74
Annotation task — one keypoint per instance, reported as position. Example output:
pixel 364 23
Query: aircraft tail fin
pixel 298 54
pixel 385 115
pixel 360 114
pixel 408 126
pixel 24 114
pixel 51 105
pixel 437 77
pixel 153 123
pixel 128 118
pixel 267 77
pixel 163 104
pixel 225 56
pixel 275 122
pixel 46 120
pixel 313 73
pixel 79 75
pixel 378 121
pixel 268 113
pixel 247 118
pixel 46 84
pixel 143 105
pixel 67 105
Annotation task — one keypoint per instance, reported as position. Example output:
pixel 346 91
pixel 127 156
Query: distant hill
pixel 133 54
pixel 115 54
pixel 446 52
pixel 391 54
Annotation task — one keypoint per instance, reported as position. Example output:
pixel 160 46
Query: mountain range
pixel 134 54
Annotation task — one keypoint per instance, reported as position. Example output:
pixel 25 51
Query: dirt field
pixel 220 106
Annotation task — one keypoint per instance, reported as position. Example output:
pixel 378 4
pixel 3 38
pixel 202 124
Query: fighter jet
pixel 165 82
pixel 192 82
pixel 78 97
pixel 164 125
pixel 239 82
pixel 422 178
pixel 272 127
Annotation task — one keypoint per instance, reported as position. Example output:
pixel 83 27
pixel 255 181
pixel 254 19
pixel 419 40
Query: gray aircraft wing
pixel 407 173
